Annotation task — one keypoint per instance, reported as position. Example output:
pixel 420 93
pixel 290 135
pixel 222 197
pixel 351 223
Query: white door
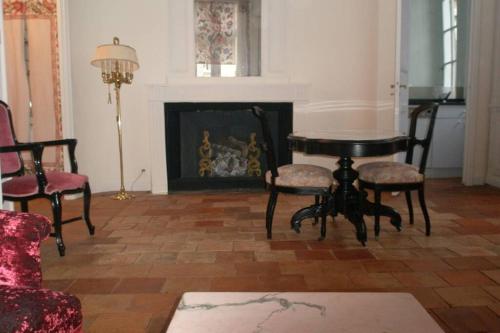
pixel 402 64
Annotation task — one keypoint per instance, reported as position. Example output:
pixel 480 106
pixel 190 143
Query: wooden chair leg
pixel 324 212
pixel 57 213
pixel 378 196
pixel 87 194
pixel 332 209
pixel 271 204
pixel 409 204
pixel 421 199
pixel 24 206
pixel 316 202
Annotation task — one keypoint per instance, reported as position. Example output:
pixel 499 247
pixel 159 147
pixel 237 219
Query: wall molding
pixel 229 90
pixel 344 106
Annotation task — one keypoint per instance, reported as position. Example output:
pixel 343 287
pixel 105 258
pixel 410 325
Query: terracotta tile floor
pixel 148 251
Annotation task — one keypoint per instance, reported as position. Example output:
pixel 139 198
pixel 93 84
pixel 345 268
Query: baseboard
pixel 443 173
pixel 493 181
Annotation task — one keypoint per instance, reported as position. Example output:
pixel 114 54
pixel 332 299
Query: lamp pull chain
pixel 109 94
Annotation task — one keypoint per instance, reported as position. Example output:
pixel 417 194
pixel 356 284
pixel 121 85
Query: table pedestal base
pixel 349 201
pixel 318 210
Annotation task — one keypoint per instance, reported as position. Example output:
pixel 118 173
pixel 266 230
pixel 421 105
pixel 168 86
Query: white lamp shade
pixel 107 55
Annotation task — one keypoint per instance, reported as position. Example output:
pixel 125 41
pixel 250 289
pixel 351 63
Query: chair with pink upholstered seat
pixel 389 176
pixel 51 185
pixel 24 305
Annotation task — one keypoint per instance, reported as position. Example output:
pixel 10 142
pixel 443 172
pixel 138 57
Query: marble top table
pixel 257 312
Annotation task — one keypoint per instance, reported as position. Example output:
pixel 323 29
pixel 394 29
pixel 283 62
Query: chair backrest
pixel 11 163
pixel 268 145
pixel 425 143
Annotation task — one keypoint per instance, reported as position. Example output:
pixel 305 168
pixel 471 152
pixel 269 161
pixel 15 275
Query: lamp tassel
pixel 109 94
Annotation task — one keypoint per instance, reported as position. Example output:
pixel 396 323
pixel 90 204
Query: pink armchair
pixel 51 185
pixel 24 305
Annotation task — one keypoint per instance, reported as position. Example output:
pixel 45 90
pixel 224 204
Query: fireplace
pixel 218 145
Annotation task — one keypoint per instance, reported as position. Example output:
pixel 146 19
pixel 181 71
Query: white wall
pixel 142 25
pixel 346 50
pixel 334 45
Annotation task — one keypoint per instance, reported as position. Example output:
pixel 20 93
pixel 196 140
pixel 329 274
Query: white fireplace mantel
pixel 209 91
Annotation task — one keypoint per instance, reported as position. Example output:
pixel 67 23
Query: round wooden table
pixel 347 199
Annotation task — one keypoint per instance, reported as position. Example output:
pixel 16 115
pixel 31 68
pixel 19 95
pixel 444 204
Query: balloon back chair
pixel 303 179
pixel 390 176
pixel 51 185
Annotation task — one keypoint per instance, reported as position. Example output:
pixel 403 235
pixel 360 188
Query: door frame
pixel 476 120
pixel 479 83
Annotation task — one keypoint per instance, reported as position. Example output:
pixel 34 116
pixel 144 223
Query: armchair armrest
pixel 37 151
pixel 71 143
pixel 20 238
pixel 62 142
pixel 19 147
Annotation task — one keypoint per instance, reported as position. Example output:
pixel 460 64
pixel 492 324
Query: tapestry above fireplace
pixel 218 145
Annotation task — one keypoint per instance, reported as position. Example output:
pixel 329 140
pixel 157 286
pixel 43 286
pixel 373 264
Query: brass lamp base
pixel 122 195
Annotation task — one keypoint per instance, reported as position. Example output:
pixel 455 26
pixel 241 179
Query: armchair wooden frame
pixel 36 149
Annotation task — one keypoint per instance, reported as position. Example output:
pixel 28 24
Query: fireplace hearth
pixel 213 146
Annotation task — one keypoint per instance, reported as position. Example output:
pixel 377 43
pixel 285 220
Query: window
pixel 227 37
pixel 450 35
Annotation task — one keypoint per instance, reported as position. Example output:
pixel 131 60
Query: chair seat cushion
pixel 389 173
pixel 302 175
pixel 24 186
pixel 38 310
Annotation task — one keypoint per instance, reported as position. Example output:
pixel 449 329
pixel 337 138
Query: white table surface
pixel 348 134
pixel 253 312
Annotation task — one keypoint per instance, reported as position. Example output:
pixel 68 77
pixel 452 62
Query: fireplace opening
pixel 218 145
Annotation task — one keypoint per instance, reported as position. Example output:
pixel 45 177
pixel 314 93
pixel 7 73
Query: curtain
pixel 215 32
pixel 32 62
pixel 227 32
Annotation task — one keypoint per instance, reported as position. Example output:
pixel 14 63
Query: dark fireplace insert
pixel 214 146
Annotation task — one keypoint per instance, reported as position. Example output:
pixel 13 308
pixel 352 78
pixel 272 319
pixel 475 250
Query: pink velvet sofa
pixel 24 305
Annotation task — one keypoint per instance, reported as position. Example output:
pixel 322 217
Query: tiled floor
pixel 147 251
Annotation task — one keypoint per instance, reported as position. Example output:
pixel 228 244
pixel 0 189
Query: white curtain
pixel 31 40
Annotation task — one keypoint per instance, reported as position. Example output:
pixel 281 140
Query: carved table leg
pixel 304 213
pixel 316 211
pixel 348 200
pixel 369 209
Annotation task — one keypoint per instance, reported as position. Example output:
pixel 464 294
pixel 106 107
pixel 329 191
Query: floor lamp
pixel 117 63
